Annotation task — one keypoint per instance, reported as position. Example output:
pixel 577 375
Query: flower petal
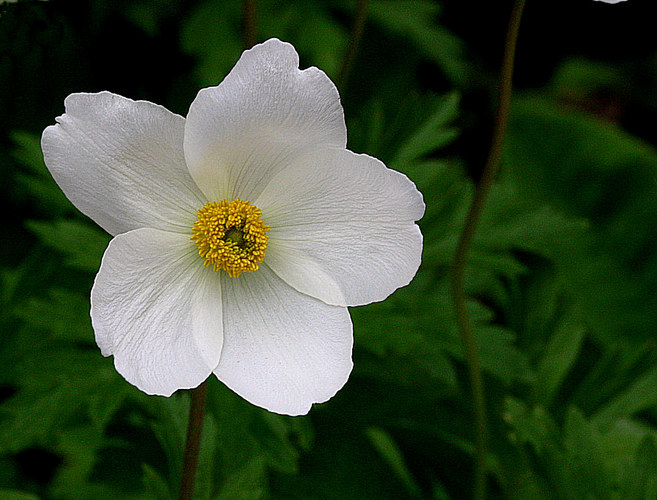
pixel 158 311
pixel 265 113
pixel 283 350
pixel 121 163
pixel 342 227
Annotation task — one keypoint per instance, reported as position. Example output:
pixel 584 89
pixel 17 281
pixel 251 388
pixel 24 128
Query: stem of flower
pixel 354 43
pixel 193 441
pixel 470 349
pixel 248 23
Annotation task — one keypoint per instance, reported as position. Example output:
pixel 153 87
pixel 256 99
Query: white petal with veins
pixel 263 115
pixel 283 350
pixel 157 310
pixel 121 163
pixel 343 227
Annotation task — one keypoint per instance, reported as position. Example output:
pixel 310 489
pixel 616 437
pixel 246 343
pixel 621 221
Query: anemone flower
pixel 240 233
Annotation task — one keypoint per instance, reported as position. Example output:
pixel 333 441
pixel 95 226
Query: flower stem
pixel 470 349
pixel 193 441
pixel 354 43
pixel 248 23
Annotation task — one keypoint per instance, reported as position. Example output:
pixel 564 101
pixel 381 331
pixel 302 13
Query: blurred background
pixel 562 277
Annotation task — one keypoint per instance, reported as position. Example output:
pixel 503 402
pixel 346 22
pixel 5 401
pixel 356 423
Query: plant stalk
pixel 193 441
pixel 469 344
pixel 354 43
pixel 248 23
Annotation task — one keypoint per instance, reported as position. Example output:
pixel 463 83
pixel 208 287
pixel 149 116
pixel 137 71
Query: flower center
pixel 231 236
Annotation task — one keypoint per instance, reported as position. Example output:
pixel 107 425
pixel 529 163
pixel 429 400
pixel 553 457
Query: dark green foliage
pixel 562 275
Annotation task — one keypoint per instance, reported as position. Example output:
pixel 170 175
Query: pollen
pixel 231 236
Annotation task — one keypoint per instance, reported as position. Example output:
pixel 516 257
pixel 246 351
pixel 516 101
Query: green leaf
pixel 275 434
pixel 155 485
pixel 640 479
pixel 313 29
pixel 412 354
pixel 210 33
pixel 560 354
pixel 342 463
pixel 533 426
pixel 584 458
pixel 82 244
pixel 417 21
pixel 63 313
pixel 245 483
pixel 638 396
pixel 537 428
pixel 499 355
pixel 621 443
pixel 511 222
pixel 405 133
pixel 6 494
pixel 610 371
pixel 169 426
pixel 579 79
pixel 27 151
pixel 205 475
pixel 390 452
pixel 589 169
pixel 55 382
pixel 251 440
pixel 78 446
pixel 435 133
pixel 150 15
pixel 36 180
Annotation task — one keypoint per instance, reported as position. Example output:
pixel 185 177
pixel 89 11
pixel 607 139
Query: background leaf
pixel 561 277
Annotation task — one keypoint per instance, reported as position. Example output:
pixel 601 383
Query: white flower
pixel 241 233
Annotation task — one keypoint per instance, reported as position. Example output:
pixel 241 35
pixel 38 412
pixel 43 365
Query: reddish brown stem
pixel 470 348
pixel 193 441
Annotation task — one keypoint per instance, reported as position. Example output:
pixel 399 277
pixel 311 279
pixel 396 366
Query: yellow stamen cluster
pixel 231 236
